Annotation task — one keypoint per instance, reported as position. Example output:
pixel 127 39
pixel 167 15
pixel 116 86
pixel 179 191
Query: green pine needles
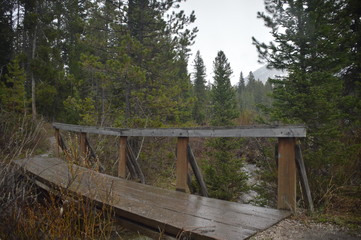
pixel 223 170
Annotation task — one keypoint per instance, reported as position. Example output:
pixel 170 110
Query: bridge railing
pixel 286 135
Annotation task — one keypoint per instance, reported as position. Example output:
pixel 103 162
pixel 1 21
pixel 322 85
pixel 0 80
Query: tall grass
pixel 28 212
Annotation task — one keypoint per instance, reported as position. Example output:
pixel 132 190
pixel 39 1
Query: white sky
pixel 228 25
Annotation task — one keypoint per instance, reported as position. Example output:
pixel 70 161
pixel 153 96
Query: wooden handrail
pixel 266 131
pixel 286 149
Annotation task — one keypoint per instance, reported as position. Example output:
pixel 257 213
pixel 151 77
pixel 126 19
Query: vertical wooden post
pixel 57 139
pixel 182 164
pixel 83 148
pixel 286 174
pixel 122 164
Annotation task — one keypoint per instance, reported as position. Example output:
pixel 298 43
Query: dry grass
pixel 26 211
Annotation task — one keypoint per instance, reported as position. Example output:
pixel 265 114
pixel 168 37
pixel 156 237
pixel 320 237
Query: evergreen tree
pixel 241 83
pixel 12 91
pixel 223 171
pixel 241 87
pixel 311 50
pixel 6 36
pixel 224 108
pixel 350 25
pixel 199 80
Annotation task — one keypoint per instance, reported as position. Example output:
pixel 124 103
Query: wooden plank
pixel 303 177
pixel 122 164
pixel 286 174
pixel 83 148
pixel 174 212
pixel 182 164
pixel 197 172
pixel 241 131
pixel 57 141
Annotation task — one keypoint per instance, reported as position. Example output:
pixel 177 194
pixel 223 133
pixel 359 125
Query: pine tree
pixel 224 108
pixel 199 80
pixel 311 50
pixel 6 36
pixel 12 91
pixel 241 82
pixel 241 93
pixel 223 175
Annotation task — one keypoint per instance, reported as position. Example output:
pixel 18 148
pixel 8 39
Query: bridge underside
pixel 161 210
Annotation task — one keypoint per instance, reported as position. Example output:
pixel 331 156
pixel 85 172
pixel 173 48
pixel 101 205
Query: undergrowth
pixel 27 211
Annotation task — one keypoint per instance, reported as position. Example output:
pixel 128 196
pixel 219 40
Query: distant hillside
pixel 263 73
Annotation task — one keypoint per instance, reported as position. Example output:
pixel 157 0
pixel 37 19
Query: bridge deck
pixel 160 209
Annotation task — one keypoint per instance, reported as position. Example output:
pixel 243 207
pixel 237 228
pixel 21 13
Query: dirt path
pixel 297 230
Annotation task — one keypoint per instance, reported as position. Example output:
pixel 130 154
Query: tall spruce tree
pixel 223 170
pixel 199 81
pixel 12 92
pixel 224 106
pixel 241 87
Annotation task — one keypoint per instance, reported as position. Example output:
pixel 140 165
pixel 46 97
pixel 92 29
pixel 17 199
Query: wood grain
pixel 241 131
pixel 286 174
pixel 182 164
pixel 83 148
pixel 197 172
pixel 303 178
pixel 122 164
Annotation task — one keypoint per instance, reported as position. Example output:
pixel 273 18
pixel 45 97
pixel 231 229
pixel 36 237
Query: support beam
pixel 122 164
pixel 83 148
pixel 286 174
pixel 303 178
pixel 197 172
pixel 57 141
pixel 182 164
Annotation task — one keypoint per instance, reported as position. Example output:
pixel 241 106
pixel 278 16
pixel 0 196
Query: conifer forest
pixel 128 64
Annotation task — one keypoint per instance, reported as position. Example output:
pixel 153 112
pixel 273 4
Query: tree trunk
pixel 33 84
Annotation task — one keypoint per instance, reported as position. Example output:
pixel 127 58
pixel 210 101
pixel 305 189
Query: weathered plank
pixel 303 177
pixel 286 174
pixel 197 172
pixel 176 213
pixel 83 148
pixel 122 164
pixel 244 131
pixel 182 164
pixel 57 140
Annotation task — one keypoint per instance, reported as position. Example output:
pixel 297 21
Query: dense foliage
pixel 100 62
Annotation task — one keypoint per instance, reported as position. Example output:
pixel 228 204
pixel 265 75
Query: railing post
pixel 83 148
pixel 286 174
pixel 57 136
pixel 122 164
pixel 182 164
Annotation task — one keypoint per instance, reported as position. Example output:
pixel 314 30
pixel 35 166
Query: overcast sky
pixel 228 25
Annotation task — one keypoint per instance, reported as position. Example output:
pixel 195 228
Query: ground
pixel 297 229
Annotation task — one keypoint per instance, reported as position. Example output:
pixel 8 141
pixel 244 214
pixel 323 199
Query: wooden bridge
pixel 177 213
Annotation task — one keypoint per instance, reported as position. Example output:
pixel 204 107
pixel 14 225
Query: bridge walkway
pixel 176 213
